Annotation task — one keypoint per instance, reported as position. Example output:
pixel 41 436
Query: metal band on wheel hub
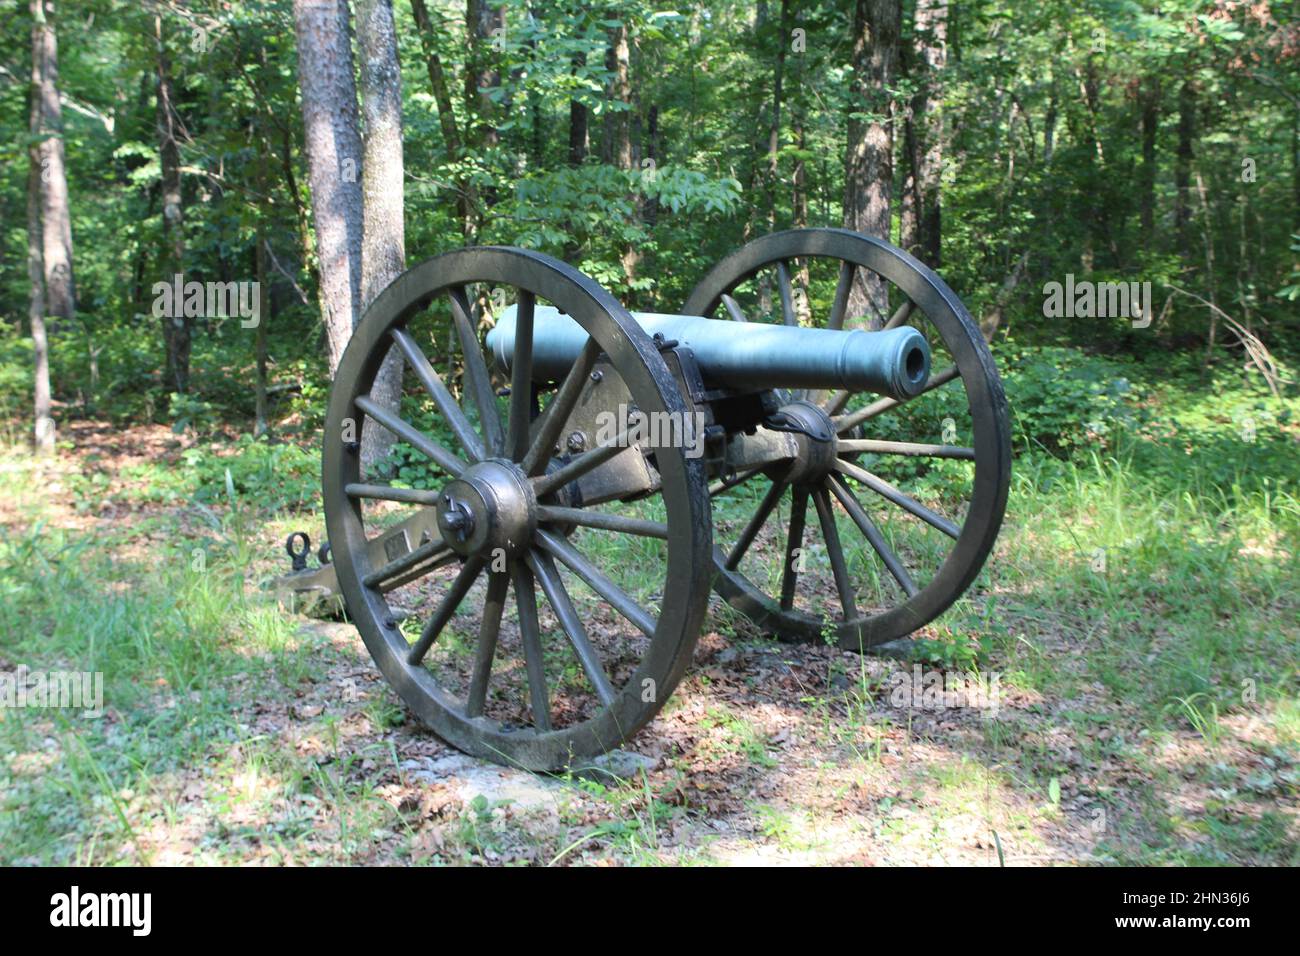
pixel 488 511
pixel 814 435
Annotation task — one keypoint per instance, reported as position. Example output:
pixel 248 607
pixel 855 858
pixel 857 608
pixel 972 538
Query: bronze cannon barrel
pixel 743 355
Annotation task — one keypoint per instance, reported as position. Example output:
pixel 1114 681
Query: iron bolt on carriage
pixel 761 444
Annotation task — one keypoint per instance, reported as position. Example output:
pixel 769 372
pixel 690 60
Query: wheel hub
pixel 814 433
pixel 489 509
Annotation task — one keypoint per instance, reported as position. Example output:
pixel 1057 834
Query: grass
pixel 225 740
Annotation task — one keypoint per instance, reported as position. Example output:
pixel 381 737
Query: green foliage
pixel 1291 291
pixel 190 413
pixel 965 652
pixel 248 472
pixel 1062 398
pixel 597 209
pixel 272 476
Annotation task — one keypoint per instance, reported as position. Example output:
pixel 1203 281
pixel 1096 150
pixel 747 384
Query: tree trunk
pixel 909 217
pixel 869 166
pixel 578 136
pixel 1211 285
pixel 618 130
pixel 1295 166
pixel 177 326
pixel 383 244
pixel 931 26
pixel 261 424
pixel 47 127
pixel 44 421
pixel 1149 100
pixel 1183 165
pixel 482 20
pixel 774 126
pixel 334 153
pixel 465 199
pixel 650 209
pixel 617 143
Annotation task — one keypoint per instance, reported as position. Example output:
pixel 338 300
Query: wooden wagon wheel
pixel 497 677
pixel 892 563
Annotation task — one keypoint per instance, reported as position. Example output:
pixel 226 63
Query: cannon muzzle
pixel 746 356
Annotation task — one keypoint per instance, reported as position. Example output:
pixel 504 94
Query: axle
pixel 743 356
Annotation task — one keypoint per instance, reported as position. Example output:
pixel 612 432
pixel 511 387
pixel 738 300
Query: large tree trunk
pixel 47 129
pixel 334 154
pixel 869 166
pixel 383 244
pixel 177 326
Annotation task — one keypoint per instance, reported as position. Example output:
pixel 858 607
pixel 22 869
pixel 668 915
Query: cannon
pixel 818 435
pixel 894 362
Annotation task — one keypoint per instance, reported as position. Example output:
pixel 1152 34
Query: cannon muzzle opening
pixel 748 356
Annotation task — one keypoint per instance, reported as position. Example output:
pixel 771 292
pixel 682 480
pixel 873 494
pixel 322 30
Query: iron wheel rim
pixel 990 426
pixel 684 492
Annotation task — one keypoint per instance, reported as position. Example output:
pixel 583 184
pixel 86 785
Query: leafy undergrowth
pixel 1139 619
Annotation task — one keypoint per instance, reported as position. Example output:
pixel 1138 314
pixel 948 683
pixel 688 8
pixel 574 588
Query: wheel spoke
pixel 787 298
pixel 873 535
pixel 433 384
pixel 905 448
pixel 477 381
pixel 793 544
pixel 589 518
pixel 543 485
pixel 544 569
pixel 521 379
pixel 840 304
pixel 900 316
pixel 415 496
pixel 619 599
pixel 835 402
pixel 756 521
pixel 831 534
pixel 890 493
pixel 451 600
pixel 733 309
pixel 530 636
pixel 844 423
pixel 559 409
pixel 412 436
pixel 412 559
pixel 489 630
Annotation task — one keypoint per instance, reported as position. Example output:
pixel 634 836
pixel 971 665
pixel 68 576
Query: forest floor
pixel 1149 717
